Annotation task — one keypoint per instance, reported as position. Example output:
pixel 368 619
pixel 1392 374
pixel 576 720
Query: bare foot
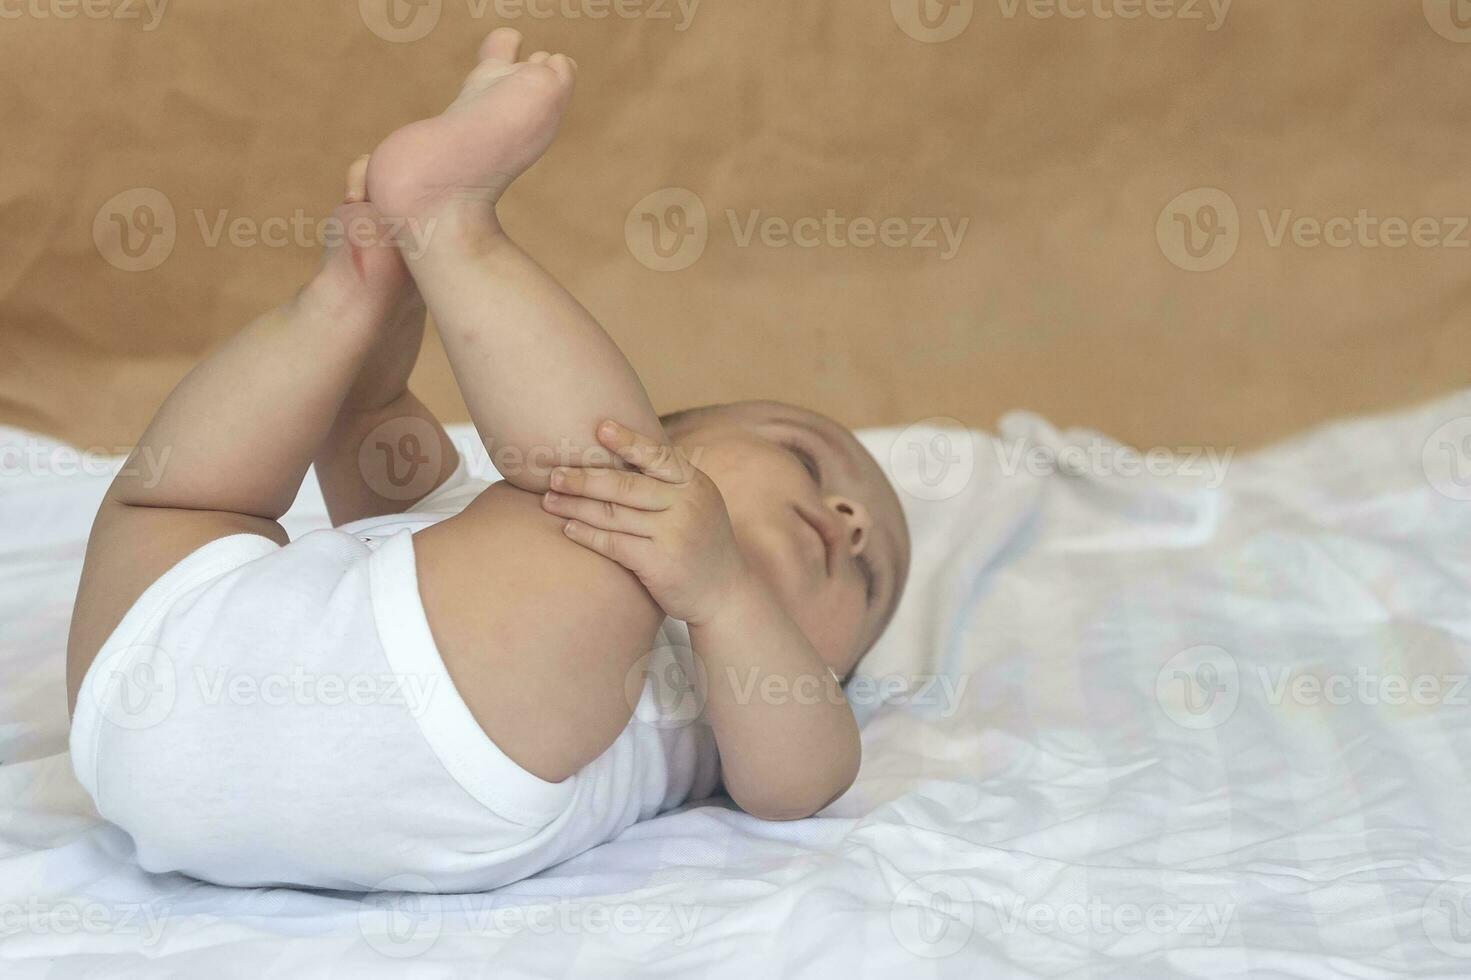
pixel 455 166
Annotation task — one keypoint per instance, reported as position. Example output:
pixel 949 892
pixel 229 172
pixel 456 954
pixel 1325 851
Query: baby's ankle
pixel 362 271
pixel 454 230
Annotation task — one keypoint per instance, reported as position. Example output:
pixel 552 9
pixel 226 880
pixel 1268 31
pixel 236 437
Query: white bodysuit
pixel 269 715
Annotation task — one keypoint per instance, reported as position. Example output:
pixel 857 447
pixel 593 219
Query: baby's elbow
pixel 796 803
pixel 782 809
pixel 782 812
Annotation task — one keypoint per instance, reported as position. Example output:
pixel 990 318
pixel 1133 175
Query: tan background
pixel 1059 139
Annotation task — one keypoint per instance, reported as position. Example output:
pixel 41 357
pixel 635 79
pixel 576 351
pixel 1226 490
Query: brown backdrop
pixel 1059 139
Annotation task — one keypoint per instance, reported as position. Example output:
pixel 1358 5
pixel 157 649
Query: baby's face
pixel 812 513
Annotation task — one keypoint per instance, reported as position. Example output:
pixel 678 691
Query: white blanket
pixel 1210 721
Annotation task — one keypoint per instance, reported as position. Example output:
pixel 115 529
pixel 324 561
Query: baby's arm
pixel 784 755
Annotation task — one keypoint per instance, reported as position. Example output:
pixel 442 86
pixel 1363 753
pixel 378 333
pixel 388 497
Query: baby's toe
pixel 502 44
pixel 357 180
pixel 564 66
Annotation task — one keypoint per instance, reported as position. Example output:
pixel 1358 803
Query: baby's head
pixel 813 514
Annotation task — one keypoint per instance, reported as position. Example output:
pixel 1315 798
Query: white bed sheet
pixel 1084 763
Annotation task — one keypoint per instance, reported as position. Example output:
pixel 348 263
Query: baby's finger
pixel 614 486
pixel 659 460
pixel 600 514
pixel 628 550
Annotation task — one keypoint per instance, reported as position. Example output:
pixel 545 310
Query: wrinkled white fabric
pixel 1122 726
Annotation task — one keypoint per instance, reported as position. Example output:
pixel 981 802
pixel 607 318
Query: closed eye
pixel 808 461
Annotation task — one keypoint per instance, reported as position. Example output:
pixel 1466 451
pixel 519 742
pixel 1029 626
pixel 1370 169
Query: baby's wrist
pixel 734 604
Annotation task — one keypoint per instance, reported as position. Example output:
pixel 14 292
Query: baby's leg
pixel 537 371
pixel 228 449
pixel 385 450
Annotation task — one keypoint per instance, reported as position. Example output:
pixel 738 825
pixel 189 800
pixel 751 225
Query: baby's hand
pixel 665 523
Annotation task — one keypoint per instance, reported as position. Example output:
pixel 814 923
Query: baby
pixel 457 691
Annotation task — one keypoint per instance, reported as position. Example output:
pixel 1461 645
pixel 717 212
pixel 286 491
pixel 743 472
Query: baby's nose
pixel 856 522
